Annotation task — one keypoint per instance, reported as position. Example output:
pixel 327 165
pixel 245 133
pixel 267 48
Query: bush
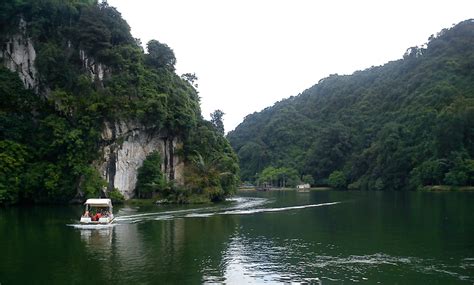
pixel 93 183
pixel 150 179
pixel 116 196
pixel 337 179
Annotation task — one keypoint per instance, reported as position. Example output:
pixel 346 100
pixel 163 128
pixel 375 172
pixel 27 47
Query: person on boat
pixel 93 217
pixel 86 214
pixel 98 215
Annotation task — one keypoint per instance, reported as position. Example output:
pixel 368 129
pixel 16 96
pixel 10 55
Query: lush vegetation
pixel 50 140
pixel 279 177
pixel 214 164
pixel 403 125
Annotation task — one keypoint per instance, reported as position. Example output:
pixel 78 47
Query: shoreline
pixel 447 188
pixel 433 188
pixel 244 189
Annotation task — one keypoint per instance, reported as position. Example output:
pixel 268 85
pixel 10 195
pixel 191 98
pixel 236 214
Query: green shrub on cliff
pixel 150 179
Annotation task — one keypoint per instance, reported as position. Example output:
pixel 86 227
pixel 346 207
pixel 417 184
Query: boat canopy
pixel 99 203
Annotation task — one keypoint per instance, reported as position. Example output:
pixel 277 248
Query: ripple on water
pixel 237 203
pixel 280 209
pixel 260 260
pixel 239 206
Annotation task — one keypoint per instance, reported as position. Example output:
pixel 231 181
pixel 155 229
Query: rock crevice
pixel 126 145
pixel 18 55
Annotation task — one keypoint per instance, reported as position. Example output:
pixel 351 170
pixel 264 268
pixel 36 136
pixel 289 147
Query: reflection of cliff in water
pixel 172 238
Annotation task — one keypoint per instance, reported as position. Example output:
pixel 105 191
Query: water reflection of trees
pixel 190 247
pixel 178 250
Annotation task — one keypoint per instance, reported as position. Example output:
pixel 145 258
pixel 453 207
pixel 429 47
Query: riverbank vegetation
pixel 445 188
pixel 403 125
pixel 90 70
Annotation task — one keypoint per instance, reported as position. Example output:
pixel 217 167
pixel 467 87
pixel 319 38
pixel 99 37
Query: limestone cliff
pixel 125 147
pixel 96 70
pixel 18 54
pixel 125 144
pixel 96 105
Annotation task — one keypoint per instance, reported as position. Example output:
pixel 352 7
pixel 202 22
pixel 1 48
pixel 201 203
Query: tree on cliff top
pixel 217 122
pixel 160 55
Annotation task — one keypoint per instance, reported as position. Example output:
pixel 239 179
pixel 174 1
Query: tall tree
pixel 191 78
pixel 160 55
pixel 216 120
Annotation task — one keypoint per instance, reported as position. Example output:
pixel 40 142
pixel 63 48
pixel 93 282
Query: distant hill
pixel 398 126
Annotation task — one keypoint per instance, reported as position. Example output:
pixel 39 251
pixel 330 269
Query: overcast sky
pixel 249 54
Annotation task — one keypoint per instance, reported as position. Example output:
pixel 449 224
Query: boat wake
pixel 246 203
pixel 266 210
pixel 166 215
pixel 238 206
pixel 258 210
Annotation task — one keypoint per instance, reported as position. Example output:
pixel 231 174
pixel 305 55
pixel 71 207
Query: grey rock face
pixel 18 55
pixel 96 70
pixel 126 146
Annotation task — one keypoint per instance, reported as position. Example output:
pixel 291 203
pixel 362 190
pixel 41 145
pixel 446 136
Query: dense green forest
pixel 403 125
pixel 50 137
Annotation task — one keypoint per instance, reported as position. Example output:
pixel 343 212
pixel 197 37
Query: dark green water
pixel 323 237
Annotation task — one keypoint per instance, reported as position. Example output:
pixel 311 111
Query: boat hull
pixel 101 221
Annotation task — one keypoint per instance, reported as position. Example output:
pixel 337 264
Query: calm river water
pixel 321 237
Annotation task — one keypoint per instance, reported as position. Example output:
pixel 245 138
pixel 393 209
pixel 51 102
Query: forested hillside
pixel 398 126
pixel 88 71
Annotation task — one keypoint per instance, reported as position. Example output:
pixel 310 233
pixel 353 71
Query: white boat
pixel 98 211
